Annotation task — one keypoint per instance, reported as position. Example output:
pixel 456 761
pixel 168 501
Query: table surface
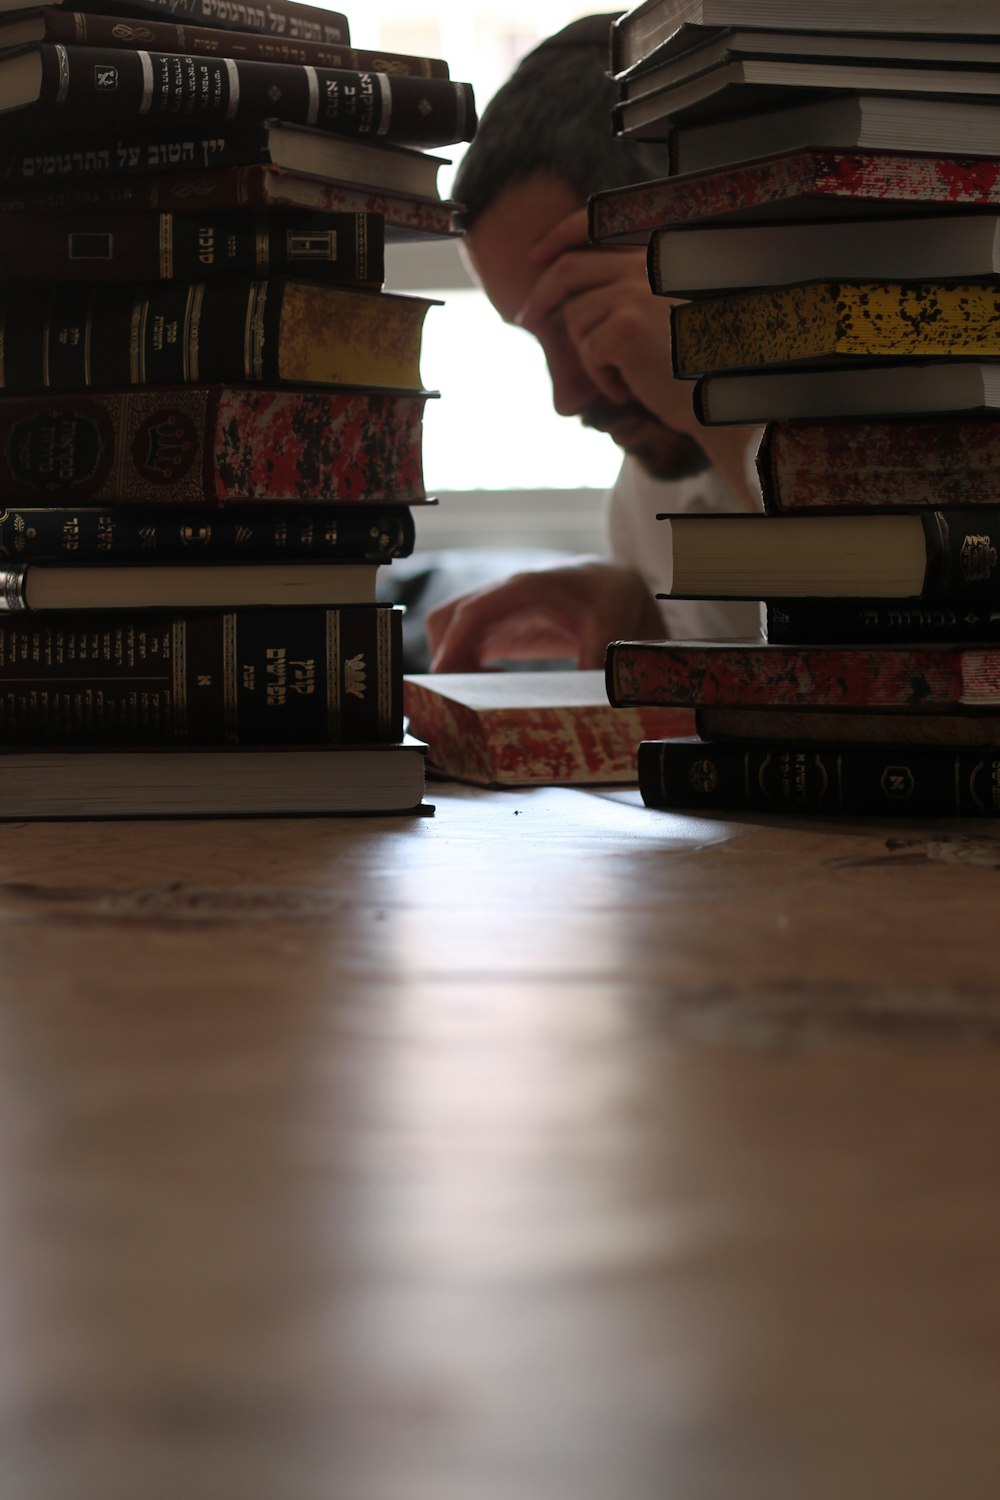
pixel 545 1147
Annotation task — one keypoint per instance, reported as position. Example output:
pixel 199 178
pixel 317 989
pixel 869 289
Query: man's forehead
pixel 501 239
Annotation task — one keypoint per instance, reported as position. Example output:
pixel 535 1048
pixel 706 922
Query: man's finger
pixel 567 277
pixel 569 234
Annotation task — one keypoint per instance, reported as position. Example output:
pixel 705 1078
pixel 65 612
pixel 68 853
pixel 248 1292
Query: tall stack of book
pixel 833 224
pixel 210 411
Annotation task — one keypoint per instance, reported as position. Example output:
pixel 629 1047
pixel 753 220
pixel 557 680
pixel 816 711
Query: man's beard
pixel 662 452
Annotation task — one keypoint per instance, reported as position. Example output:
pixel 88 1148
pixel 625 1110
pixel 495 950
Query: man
pixel 544 144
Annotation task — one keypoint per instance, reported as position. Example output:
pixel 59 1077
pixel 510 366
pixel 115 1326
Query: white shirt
pixel 637 538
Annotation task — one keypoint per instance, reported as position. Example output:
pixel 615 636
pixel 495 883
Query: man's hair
pixel 554 115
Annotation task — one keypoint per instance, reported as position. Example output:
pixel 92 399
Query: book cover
pixel 246 782
pixel 530 728
pixel 404 216
pixel 877 622
pixel 77 586
pixel 836 321
pixel 212 445
pixel 182 534
pixel 307 676
pixel 939 461
pixel 808 726
pixel 51 24
pixel 344 249
pixel 291 18
pixel 897 388
pixel 934 556
pixel 901 781
pixel 164 85
pixel 268 332
pixel 936 678
pixel 797 185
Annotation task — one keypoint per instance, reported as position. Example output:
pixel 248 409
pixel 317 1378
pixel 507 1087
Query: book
pixel 897 388
pixel 26 587
pixel 212 783
pixel 836 321
pixel 289 676
pixel 341 249
pixel 643 29
pixel 853 780
pixel 939 461
pixel 877 622
pixel 178 533
pixel 856 728
pixel 529 728
pixel 689 262
pixel 746 84
pixel 31 155
pixel 934 678
pixel 888 122
pixel 291 18
pixel 936 556
pixel 274 331
pixel 75 27
pixel 795 186
pixel 212 445
pixel 405 217
pixel 163 85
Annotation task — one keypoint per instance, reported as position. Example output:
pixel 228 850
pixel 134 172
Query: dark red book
pixel 749 674
pixel 164 86
pixel 212 445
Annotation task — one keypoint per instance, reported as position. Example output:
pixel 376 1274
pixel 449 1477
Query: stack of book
pixel 210 411
pixel 833 228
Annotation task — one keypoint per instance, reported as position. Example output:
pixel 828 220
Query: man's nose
pixel 572 388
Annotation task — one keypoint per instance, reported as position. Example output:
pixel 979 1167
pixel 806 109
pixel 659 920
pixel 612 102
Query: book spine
pixel 852 780
pixel 882 464
pixel 205 677
pixel 76 28
pixel 885 679
pixel 263 332
pixel 344 249
pixel 122 151
pixel 284 18
pixel 889 622
pixel 214 446
pixel 165 85
pixel 33 533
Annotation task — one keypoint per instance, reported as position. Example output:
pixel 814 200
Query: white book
pixel 940 388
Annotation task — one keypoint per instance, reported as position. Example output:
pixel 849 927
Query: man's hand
pixel 569 612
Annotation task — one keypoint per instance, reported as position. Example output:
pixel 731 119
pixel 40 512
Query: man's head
pixel 544 144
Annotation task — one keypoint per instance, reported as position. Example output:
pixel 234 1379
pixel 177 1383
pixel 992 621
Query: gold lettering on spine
pixel 137 340
pixel 192 329
pixel 333 674
pixel 361 246
pixel 312 84
pixel 62 74
pixel 233 75
pixel 263 246
pixel 383 647
pixel 146 66
pixel 167 245
pixel 253 332
pixel 230 667
pixel 178 648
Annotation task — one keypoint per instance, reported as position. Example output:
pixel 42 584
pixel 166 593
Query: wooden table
pixel 548 1147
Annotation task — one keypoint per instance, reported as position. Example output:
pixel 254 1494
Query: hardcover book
pixel 177 533
pixel 284 18
pixel 939 461
pixel 212 445
pixel 305 676
pixel 916 387
pixel 70 27
pixel 936 678
pixel 690 262
pixel 649 27
pixel 886 122
pixel 877 622
pixel 212 783
pixel 795 186
pixel 787 725
pixel 162 85
pixel 853 780
pixel 836 322
pixel 530 728
pixel 244 585
pixel 935 556
pixel 343 249
pixel 268 332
